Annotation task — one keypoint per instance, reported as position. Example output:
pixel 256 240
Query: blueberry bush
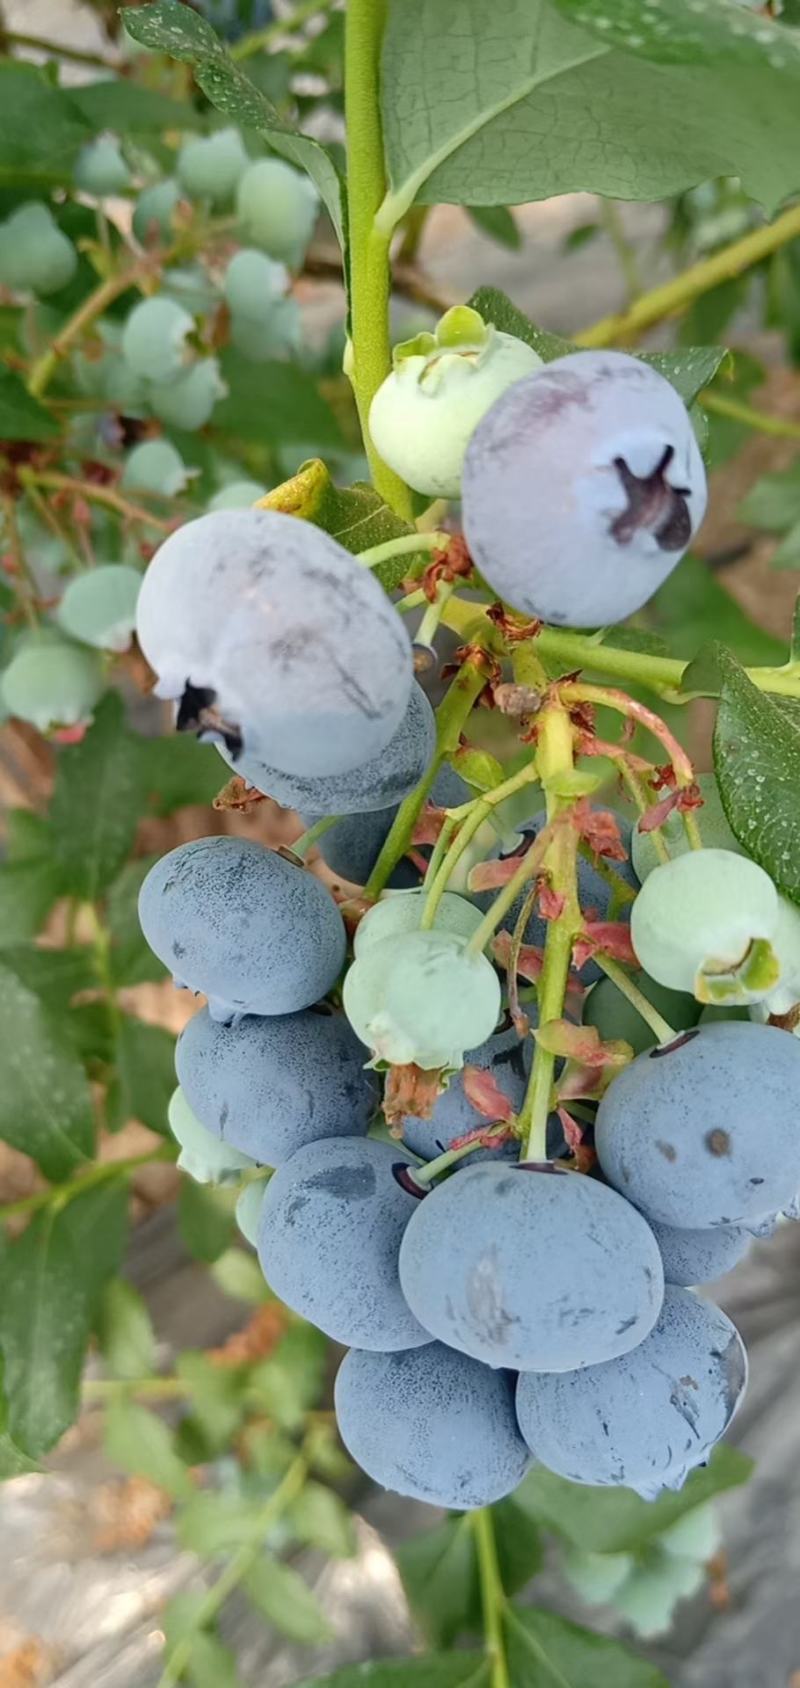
pixel 359 681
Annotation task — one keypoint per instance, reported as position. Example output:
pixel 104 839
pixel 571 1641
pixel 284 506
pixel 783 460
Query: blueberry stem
pixel 676 295
pixel 637 999
pixel 425 1175
pixel 407 545
pixel 478 812
pixel 368 361
pixel 451 717
pixel 493 1595
pixel 302 845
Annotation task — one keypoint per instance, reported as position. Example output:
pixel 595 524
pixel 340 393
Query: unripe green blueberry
pixel 100 168
pixel 99 607
pixel 248 1209
pixel 207 1159
pixel 51 682
pixel 189 401
pixel 277 208
pixel 154 338
pixel 153 212
pixel 34 252
pixel 704 923
pixel 237 495
pixel 252 284
pixel 270 337
pixel 209 166
pixel 191 286
pixel 423 415
pixel 155 466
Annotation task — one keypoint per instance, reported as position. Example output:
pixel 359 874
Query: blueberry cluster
pixel 497 1310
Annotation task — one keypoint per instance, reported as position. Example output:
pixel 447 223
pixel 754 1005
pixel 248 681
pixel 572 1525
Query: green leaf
pixel 757 764
pixel 205 1219
pixel 774 501
pixel 125 1331
pixel 28 890
pixel 41 129
pixel 140 1442
pixel 285 1600
pixel 718 33
pixel 211 1663
pixel 546 1651
pixel 172 28
pixel 177 771
pixel 216 1397
pixel 128 108
pixel 617 1520
pixel 51 1281
pixel 240 1276
pixel 275 404
pixel 496 307
pixel 690 369
pixel 320 1519
pixel 290 1381
pixel 518 1543
pixel 132 960
pixel 45 1101
pixel 21 416
pixel 692 607
pixel 145 1075
pixel 215 1522
pixel 96 803
pixel 787 555
pixel 794 649
pixel 499 223
pixel 355 515
pixel 438 1670
pixel 440 1576
pixel 28 835
pixel 539 107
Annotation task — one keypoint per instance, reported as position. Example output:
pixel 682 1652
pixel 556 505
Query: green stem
pixel 370 270
pixel 288 25
pixel 426 1174
pixel 92 307
pixel 57 1195
pixel 242 1561
pixel 451 717
pixel 94 493
pixel 27 585
pixel 429 625
pixel 479 811
pixel 493 1597
pixel 579 650
pixel 551 992
pixel 614 227
pixel 531 860
pixel 658 1025
pixel 147 1388
pixel 101 955
pixel 303 844
pixel 58 49
pixel 406 546
pixel 676 295
pixel 758 419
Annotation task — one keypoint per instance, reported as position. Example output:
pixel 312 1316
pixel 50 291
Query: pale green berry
pixel 99 607
pixel 35 254
pixel 192 287
pixel 277 209
pixel 704 922
pixel 425 412
pixel 154 209
pixel 697 1535
pixel 206 1158
pixel 422 998
pixel 270 337
pixel 248 1209
pixel 649 1597
pixel 100 168
pixel 596 1577
pixel 154 338
pixel 52 683
pixel 188 402
pixel 401 911
pixel 155 466
pixel 252 284
pixel 209 166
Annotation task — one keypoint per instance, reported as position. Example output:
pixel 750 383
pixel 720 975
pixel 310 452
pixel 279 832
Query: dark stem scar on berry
pixel 541 1166
pixel 677 1043
pixel 654 504
pixel 404 1176
pixel 197 713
